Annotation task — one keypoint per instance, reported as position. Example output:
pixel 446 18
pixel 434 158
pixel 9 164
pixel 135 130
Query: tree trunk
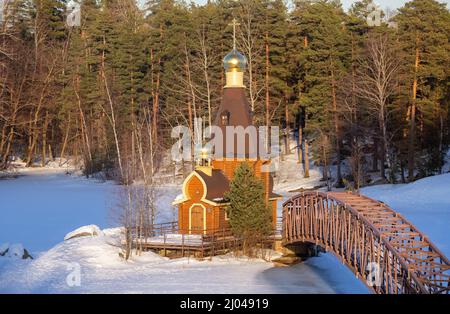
pixel 354 123
pixel 382 154
pixel 8 148
pixel 44 140
pixel 113 125
pixel 306 159
pixel 155 83
pixel 32 139
pixel 300 145
pixel 402 168
pixel 412 128
pixel 8 140
pixel 3 138
pixel 339 182
pixel 112 116
pixel 375 154
pixel 441 140
pixel 205 63
pixel 84 135
pixel 66 138
pixel 267 92
pixel 287 150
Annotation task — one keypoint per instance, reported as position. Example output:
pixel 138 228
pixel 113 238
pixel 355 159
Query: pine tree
pixel 325 57
pixel 249 215
pixel 168 22
pixel 423 30
pixel 355 133
pixel 162 67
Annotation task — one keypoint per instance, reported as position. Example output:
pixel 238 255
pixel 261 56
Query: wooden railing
pixel 163 228
pixel 169 238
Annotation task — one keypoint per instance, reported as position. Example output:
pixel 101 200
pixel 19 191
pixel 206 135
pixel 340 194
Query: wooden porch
pixel 169 240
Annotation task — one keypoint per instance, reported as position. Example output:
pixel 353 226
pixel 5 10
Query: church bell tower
pixel 203 204
pixel 235 64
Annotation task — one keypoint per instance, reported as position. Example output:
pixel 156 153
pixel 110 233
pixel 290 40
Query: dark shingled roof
pixel 235 105
pixel 217 184
pixel 235 102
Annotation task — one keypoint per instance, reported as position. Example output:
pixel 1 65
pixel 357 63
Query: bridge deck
pixel 362 231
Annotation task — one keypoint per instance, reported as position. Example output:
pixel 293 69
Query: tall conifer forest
pixel 354 97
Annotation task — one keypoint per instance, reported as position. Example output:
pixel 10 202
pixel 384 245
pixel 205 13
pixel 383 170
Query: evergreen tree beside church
pixel 248 213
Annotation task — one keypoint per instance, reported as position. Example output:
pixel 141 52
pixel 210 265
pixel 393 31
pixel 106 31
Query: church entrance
pixel 197 223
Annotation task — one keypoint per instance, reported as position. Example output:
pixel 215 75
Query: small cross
pixel 234 24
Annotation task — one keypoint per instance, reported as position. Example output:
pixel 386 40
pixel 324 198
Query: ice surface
pixel 42 205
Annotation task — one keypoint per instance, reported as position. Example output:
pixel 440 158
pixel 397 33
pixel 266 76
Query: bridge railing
pixel 332 223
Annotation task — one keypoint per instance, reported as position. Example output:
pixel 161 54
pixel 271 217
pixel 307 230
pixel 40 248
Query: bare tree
pixel 135 210
pixel 205 61
pixel 251 47
pixel 323 152
pixel 376 84
pixel 111 114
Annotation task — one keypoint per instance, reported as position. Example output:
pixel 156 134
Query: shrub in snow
pixel 4 249
pixel 14 251
pixel 91 230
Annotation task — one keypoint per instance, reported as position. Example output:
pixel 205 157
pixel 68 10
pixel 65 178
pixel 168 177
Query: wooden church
pixel 202 207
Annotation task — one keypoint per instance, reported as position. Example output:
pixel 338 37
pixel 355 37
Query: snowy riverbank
pixel 101 270
pixel 41 206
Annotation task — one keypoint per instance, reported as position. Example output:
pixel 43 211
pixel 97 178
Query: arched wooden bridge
pixel 370 238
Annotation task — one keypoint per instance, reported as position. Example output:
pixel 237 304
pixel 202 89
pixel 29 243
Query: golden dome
pixel 234 61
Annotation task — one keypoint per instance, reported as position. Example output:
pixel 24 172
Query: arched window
pixel 225 117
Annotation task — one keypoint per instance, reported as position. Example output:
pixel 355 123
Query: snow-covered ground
pixel 290 176
pixel 101 270
pixel 40 207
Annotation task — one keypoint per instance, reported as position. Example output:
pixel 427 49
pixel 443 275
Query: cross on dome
pixel 234 24
pixel 234 61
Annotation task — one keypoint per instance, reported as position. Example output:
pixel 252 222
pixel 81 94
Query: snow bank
pixel 16 251
pixel 91 230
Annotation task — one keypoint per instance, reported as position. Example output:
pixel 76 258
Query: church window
pixel 225 117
